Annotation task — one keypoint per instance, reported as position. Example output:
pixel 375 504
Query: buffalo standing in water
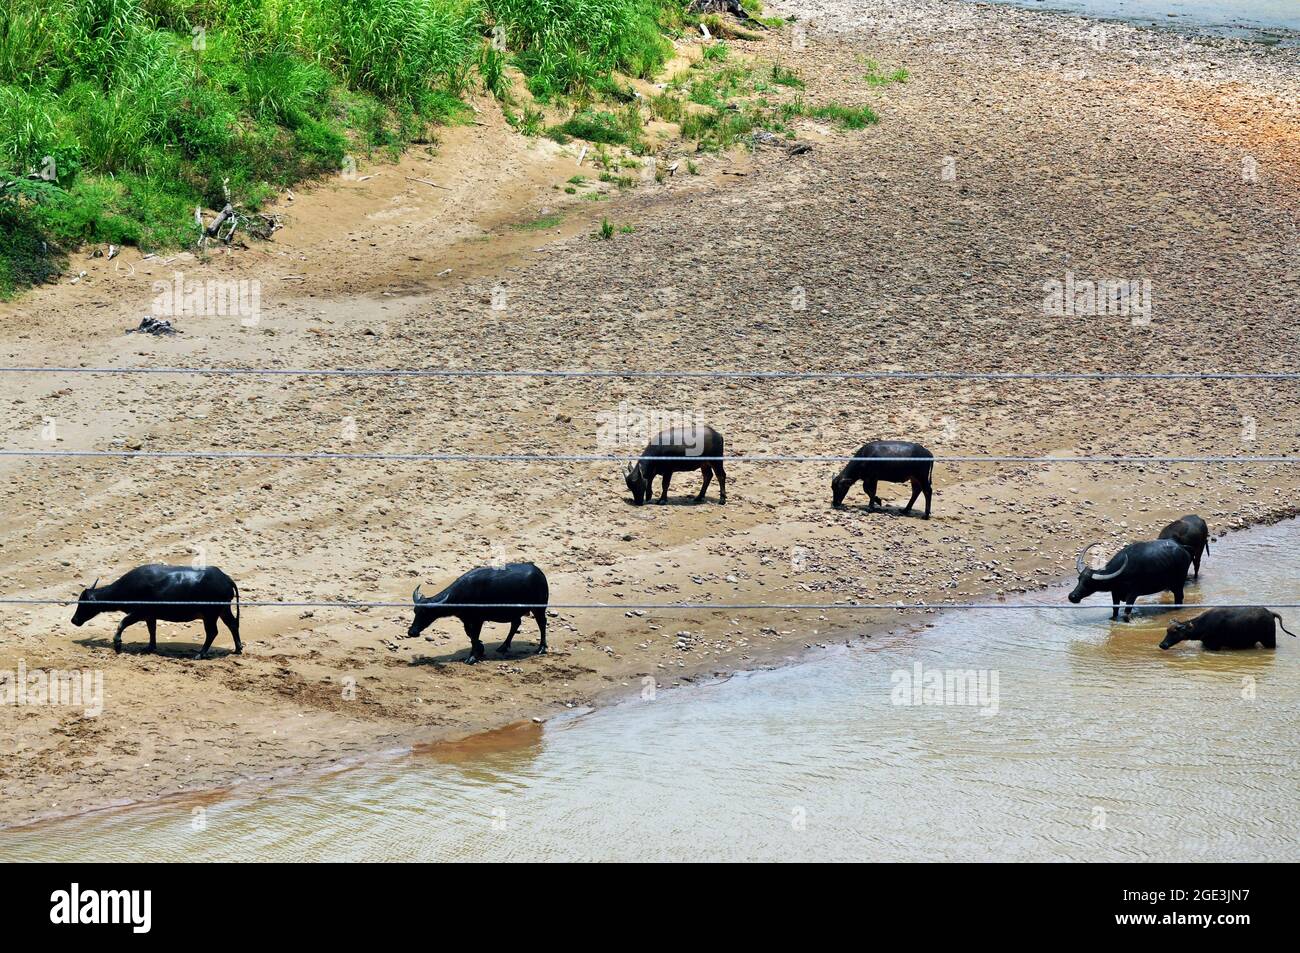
pixel 1227 628
pixel 917 469
pixel 487 594
pixel 1193 534
pixel 675 451
pixel 1139 569
pixel 144 593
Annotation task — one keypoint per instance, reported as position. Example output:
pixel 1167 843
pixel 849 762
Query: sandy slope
pixel 1121 163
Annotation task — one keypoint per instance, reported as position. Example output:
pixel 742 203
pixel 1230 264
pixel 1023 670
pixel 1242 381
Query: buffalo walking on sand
pixel 487 594
pixel 170 593
pixel 917 468
pixel 1193 534
pixel 677 450
pixel 1230 627
pixel 1139 569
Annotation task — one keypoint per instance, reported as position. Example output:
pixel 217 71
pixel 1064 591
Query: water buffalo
pixel 487 594
pixel 1138 569
pixel 149 593
pixel 672 451
pixel 918 469
pixel 1193 534
pixel 1227 628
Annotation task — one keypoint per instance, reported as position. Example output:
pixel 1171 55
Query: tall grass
pixel 135 111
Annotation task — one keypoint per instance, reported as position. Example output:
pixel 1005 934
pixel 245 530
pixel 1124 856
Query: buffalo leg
pixel 1196 563
pixel 1114 601
pixel 1178 597
pixel 209 633
pixel 916 491
pixel 232 624
pixel 707 470
pixel 505 646
pixel 128 619
pixel 722 481
pixel 663 497
pixel 472 629
pixel 869 486
pixel 928 489
pixel 540 616
pixel 153 634
pixel 1128 608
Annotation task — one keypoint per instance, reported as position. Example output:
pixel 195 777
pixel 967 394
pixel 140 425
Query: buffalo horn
pixel 1111 575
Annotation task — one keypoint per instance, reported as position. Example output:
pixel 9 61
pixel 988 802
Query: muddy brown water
pixel 1091 744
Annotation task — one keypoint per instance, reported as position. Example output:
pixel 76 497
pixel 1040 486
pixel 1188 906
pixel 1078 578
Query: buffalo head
pixel 840 486
pixel 1177 632
pixel 425 615
pixel 636 481
pixel 86 608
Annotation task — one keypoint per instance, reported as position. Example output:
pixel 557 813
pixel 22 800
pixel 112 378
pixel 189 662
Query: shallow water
pixel 1268 20
pixel 1102 747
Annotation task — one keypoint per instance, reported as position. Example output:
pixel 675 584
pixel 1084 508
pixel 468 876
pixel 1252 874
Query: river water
pixel 1092 744
pixel 1265 20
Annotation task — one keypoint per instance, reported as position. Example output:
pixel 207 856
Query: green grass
pixel 846 117
pixel 876 75
pixel 136 111
pixel 782 76
pixel 600 126
pixel 540 224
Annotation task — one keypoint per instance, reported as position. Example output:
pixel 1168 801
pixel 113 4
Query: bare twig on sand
pixel 427 182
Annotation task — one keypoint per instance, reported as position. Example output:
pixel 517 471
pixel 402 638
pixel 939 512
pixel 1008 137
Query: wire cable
pixel 596 373
pixel 113 604
pixel 621 458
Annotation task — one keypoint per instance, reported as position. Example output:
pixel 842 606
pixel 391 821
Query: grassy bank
pixel 119 117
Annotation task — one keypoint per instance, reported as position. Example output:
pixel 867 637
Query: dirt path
pixel 1124 163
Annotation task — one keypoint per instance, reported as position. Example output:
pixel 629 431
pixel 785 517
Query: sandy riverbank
pixel 1124 162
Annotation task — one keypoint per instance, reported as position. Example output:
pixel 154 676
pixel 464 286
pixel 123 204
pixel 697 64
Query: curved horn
pixel 415 596
pixel 1111 575
pixel 95 584
pixel 1079 564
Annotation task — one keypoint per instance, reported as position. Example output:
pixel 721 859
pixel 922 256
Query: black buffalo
pixel 487 594
pixel 1227 628
pixel 170 593
pixel 917 468
pixel 1138 569
pixel 677 450
pixel 1193 534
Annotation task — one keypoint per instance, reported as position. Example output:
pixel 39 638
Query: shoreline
pixel 464 744
pixel 928 273
pixel 1265 34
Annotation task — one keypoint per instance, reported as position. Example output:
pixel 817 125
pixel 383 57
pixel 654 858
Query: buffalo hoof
pixel 473 659
pixel 503 652
pixel 699 499
pixel 117 648
pixel 722 500
pixel 662 501
pixel 541 650
pixel 200 655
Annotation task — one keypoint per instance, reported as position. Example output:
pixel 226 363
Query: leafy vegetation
pixel 846 117
pixel 119 117
pixel 876 75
